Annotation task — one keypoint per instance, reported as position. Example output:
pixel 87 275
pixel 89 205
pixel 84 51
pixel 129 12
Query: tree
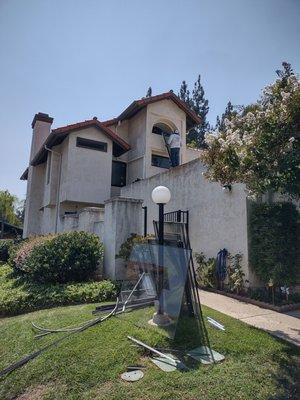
pixel 149 92
pixel 228 113
pixel 260 145
pixel 184 93
pixel 198 103
pixel 7 207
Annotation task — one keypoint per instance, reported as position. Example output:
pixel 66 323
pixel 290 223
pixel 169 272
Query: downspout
pixel 58 186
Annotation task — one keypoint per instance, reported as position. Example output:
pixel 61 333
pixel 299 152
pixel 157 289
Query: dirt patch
pixel 34 393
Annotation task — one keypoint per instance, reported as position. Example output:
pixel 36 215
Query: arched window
pixel 160 128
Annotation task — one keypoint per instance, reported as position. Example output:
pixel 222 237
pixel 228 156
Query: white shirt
pixel 174 141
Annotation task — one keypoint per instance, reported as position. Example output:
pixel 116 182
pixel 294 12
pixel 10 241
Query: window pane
pixel 160 161
pixel 91 144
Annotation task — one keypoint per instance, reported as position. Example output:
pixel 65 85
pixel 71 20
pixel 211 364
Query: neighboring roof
pixel 58 135
pixel 11 228
pixel 24 176
pixel 192 118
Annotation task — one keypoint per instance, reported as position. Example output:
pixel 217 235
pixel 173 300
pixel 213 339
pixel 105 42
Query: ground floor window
pixel 160 161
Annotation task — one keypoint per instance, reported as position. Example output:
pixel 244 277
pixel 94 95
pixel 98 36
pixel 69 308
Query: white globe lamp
pixel 161 195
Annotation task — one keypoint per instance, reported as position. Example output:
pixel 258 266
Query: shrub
pixel 206 271
pixel 5 246
pixel 67 257
pixel 19 295
pixel 275 242
pixel 19 255
pixel 235 273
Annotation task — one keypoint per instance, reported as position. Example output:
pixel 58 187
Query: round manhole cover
pixel 132 376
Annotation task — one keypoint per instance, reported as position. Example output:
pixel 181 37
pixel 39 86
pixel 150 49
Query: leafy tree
pixel 260 145
pixel 198 103
pixel 149 92
pixel 7 207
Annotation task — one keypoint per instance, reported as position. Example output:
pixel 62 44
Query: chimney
pixel 41 125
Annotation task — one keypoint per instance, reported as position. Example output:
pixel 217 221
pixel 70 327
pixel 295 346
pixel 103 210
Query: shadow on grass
pixel 288 373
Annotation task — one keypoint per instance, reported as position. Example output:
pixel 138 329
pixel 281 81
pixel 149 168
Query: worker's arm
pixel 170 139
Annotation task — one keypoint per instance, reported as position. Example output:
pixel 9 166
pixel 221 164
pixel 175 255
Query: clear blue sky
pixel 75 59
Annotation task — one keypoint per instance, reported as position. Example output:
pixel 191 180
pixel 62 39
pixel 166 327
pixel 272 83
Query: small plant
pixel 127 246
pixel 206 271
pixel 235 273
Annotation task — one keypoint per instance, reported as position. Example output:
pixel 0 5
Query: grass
pixel 87 366
pixel 18 295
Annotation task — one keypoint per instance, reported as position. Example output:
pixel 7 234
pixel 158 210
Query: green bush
pixel 67 257
pixel 275 242
pixel 19 295
pixel 5 246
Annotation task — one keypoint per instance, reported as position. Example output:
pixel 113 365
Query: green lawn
pixel 88 365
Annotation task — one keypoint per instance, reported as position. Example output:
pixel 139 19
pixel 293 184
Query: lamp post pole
pixel 160 195
pixel 161 257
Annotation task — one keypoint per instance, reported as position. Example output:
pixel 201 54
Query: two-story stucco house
pixel 80 166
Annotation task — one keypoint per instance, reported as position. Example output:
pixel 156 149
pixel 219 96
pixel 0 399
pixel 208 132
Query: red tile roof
pixel 192 118
pixel 97 124
pixel 59 134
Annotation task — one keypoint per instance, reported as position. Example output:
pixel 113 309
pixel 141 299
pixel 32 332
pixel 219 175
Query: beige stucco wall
pixel 192 154
pixel 88 175
pixel 34 199
pixel 218 218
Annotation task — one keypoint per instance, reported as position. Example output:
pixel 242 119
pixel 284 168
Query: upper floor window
pixel 161 128
pixel 160 161
pixel 91 144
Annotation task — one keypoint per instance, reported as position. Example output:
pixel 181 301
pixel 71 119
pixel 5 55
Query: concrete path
pixel 284 326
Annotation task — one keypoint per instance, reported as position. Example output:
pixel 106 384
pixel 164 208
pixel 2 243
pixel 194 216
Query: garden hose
pixel 33 355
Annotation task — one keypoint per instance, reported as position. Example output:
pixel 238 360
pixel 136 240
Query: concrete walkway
pixel 284 326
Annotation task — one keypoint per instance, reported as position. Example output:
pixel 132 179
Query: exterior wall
pixel 88 174
pixel 137 141
pixel 218 219
pixel 192 154
pixel 34 200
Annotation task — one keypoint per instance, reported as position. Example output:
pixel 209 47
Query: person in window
pixel 174 142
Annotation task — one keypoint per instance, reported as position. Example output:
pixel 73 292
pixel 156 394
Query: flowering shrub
pixel 20 255
pixel 260 145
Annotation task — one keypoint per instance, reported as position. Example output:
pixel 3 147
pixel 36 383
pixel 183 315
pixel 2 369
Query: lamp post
pixel 161 195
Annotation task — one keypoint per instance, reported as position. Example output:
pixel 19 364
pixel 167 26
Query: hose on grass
pixel 35 354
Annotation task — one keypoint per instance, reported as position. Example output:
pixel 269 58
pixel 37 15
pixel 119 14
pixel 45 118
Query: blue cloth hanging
pixel 221 269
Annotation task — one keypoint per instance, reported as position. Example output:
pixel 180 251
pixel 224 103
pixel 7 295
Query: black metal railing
pixel 177 216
